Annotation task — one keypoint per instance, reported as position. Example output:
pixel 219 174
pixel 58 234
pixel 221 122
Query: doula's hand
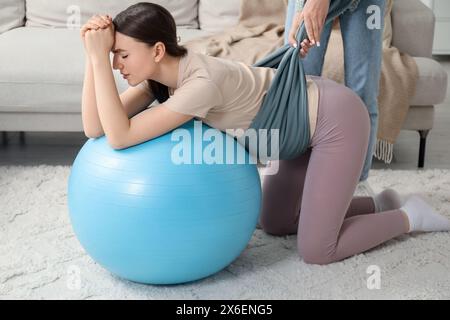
pixel 306 44
pixel 314 14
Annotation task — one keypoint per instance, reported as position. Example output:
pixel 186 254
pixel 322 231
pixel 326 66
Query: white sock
pixel 422 217
pixel 388 200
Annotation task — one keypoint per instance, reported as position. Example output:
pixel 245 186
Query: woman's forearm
pixel 113 117
pixel 91 121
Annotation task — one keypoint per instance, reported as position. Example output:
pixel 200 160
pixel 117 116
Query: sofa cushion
pixel 12 14
pixel 432 83
pixel 413 28
pixel 68 13
pixel 214 16
pixel 419 118
pixel 48 75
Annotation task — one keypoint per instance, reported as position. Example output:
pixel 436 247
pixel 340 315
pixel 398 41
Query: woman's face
pixel 133 59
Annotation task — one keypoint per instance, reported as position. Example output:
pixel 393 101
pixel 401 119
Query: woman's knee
pixel 277 229
pixel 315 251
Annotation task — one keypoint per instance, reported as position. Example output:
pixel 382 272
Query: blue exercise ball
pixel 149 219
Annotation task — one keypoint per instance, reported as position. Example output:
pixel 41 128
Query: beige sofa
pixel 42 65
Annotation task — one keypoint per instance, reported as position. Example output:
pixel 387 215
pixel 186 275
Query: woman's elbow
pixel 116 145
pixel 113 143
pixel 93 135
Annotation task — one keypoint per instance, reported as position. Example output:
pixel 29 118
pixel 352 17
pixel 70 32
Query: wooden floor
pixel 62 148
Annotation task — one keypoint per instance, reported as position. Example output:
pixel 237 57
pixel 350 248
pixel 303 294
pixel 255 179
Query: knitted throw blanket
pixel 259 33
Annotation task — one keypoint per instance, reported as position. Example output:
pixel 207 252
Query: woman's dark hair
pixel 151 23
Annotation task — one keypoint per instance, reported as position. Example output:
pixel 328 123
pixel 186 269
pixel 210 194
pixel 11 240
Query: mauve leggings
pixel 313 194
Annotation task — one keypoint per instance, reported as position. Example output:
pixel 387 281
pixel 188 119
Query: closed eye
pixel 124 57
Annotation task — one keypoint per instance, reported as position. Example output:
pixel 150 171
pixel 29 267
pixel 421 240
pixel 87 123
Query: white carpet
pixel 40 256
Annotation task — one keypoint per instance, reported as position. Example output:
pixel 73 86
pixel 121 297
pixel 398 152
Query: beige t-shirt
pixel 225 94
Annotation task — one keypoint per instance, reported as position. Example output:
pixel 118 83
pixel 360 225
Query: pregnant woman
pixel 312 194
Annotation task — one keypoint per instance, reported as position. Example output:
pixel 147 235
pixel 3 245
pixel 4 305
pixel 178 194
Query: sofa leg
pixel 22 138
pixel 4 138
pixel 423 147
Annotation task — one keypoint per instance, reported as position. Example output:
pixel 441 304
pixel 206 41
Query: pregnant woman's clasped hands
pixel 98 36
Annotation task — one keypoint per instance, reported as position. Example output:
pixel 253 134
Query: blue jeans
pixel 362 61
